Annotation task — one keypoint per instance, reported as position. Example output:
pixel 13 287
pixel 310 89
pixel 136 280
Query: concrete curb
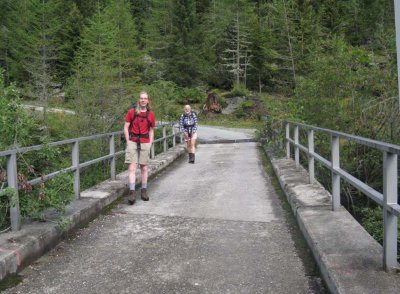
pixel 349 259
pixel 19 249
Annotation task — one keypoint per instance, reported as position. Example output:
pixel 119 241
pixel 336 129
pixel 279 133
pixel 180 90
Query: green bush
pixel 190 96
pixel 239 90
pixel 163 95
pixel 247 104
pixel 17 126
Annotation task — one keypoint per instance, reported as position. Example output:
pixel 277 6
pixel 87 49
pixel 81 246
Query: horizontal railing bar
pixel 51 175
pixel 321 159
pixel 394 208
pixel 361 140
pixel 387 200
pixel 367 190
pixel 53 144
pixel 96 160
pixel 361 186
pixel 15 215
pixel 81 165
pixel 302 148
pixel 67 141
pixel 318 157
pixel 163 138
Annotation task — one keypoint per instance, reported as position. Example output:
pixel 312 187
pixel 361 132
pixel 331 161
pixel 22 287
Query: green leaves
pixel 105 69
pixel 17 127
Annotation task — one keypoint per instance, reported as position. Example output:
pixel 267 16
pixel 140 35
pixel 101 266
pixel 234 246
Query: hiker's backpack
pixel 135 116
pixel 139 135
pixel 193 114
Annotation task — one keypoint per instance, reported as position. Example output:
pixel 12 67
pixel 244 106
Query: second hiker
pixel 139 135
pixel 188 126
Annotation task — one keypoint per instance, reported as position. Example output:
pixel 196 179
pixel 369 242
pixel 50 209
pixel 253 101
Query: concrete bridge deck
pixel 214 227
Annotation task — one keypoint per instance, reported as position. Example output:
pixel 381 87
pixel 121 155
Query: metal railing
pixel 76 165
pixel 387 199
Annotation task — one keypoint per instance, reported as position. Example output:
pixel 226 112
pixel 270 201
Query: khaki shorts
pixel 132 155
pixel 194 136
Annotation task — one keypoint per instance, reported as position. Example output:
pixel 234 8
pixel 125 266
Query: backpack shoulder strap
pixel 133 118
pixel 148 121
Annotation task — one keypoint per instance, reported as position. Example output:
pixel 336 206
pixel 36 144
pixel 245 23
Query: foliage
pixel 239 90
pixel 247 104
pixel 17 127
pixel 162 94
pixel 185 45
pixel 104 69
pixel 190 96
pixel 56 193
pixel 229 121
pixel 373 222
pixel 168 98
pixel 6 200
pixel 40 44
pixel 244 110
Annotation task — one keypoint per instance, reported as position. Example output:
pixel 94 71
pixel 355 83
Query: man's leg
pixel 131 159
pixel 144 174
pixel 144 157
pixel 132 183
pixel 191 150
pixel 132 176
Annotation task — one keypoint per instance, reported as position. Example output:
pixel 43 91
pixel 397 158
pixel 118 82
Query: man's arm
pixel 126 130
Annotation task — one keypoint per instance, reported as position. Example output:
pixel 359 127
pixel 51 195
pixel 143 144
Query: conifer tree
pixel 4 35
pixel 228 33
pixel 184 50
pixel 141 11
pixel 264 56
pixel 237 54
pixel 284 17
pixel 36 34
pixel 105 68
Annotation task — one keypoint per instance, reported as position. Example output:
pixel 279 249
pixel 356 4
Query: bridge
pixel 218 226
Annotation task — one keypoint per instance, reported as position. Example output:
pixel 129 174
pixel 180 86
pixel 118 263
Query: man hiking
pixel 139 135
pixel 188 126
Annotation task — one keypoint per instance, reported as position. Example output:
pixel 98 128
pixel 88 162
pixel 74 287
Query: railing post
pixel 152 151
pixel 75 163
pixel 112 152
pixel 389 220
pixel 310 137
pixel 174 137
pixel 287 140
pixel 12 180
pixel 296 146
pixel 335 163
pixel 164 133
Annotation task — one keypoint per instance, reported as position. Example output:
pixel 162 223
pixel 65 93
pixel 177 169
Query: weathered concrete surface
pixel 213 227
pixel 18 249
pixel 349 259
pixel 207 134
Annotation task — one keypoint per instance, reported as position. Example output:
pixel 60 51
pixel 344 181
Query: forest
pixel 330 63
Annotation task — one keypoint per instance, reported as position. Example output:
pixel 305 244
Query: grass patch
pixel 229 121
pixel 10 281
pixel 106 210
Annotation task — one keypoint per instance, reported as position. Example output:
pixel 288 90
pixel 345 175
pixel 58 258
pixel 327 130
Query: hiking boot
pixel 143 194
pixel 191 157
pixel 132 197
